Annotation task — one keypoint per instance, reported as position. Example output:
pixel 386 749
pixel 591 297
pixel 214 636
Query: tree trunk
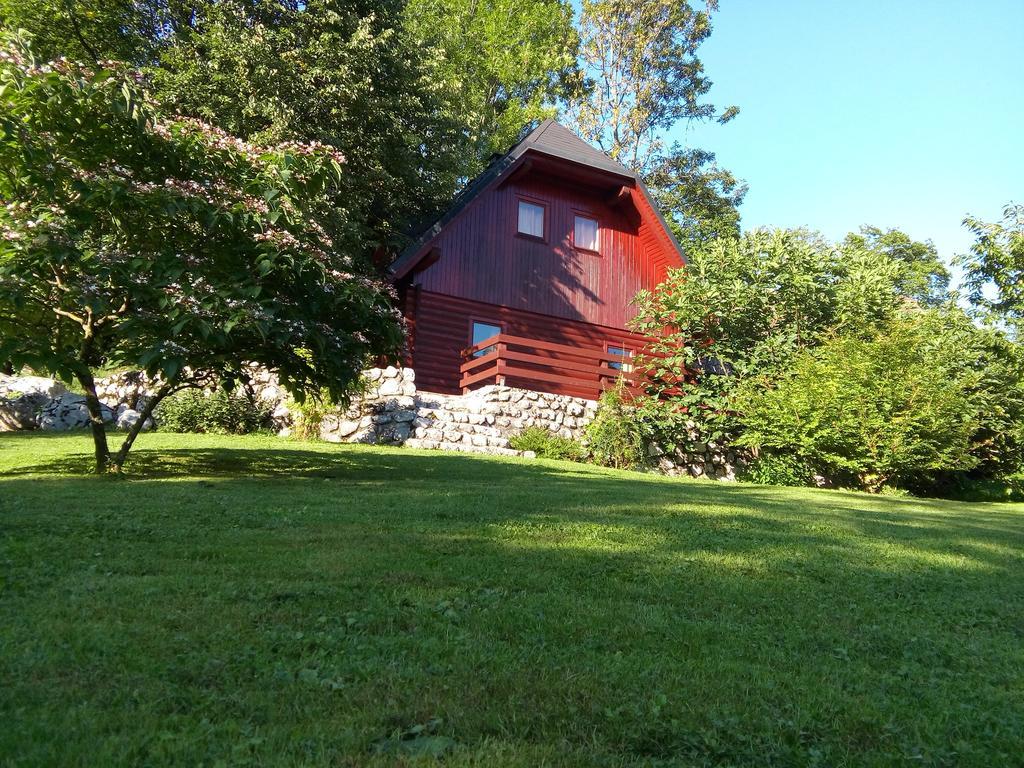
pixel 99 429
pixel 118 460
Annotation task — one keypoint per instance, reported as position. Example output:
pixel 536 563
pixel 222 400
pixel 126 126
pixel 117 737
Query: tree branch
pixel 151 403
pixel 72 316
pixel 78 32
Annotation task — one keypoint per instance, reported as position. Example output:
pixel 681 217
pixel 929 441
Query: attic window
pixel 531 219
pixel 584 234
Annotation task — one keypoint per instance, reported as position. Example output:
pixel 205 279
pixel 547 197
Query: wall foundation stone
pixel 389 411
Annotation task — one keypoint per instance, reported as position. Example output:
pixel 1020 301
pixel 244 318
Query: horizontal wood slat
pixel 488 376
pixel 569 366
pixel 476 362
pixel 444 331
pixel 562 349
pixel 526 373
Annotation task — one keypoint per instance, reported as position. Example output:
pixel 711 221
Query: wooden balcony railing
pixel 584 371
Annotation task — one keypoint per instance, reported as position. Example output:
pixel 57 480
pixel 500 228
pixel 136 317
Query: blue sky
pixel 907 113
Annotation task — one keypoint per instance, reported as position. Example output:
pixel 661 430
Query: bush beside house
pixel 846 364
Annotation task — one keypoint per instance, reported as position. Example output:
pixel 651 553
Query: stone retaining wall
pixel 486 418
pixel 129 389
pixel 390 411
pixel 697 458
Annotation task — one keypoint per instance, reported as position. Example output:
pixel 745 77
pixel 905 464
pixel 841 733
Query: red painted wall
pixel 442 327
pixel 484 260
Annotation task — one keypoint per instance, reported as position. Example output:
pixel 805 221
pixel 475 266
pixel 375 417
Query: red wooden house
pixel 528 278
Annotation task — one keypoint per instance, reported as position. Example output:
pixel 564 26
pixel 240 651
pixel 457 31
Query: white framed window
pixel 531 219
pixel 585 233
pixel 620 365
pixel 482 332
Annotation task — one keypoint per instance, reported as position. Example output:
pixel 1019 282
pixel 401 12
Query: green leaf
pixel 171 368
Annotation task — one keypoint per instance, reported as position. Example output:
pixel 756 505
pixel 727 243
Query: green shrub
pixel 967 488
pixel 548 445
pixel 617 435
pixel 218 413
pixel 888 409
pixel 775 469
pixel 308 416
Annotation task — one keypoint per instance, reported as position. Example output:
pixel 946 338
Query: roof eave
pixel 661 220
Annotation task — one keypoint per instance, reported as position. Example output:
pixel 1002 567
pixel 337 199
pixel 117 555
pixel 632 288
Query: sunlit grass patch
pixel 259 601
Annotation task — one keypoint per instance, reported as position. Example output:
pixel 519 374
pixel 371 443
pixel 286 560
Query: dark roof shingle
pixel 557 140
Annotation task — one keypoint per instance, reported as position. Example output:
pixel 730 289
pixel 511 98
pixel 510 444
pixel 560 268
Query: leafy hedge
pixel 909 406
pixel 218 413
pixel 851 363
pixel 548 445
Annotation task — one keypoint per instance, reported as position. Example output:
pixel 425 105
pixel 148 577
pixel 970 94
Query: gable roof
pixel 548 138
pixel 557 140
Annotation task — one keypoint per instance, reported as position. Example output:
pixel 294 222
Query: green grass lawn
pixel 254 601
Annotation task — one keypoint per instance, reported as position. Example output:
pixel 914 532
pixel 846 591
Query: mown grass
pixel 250 601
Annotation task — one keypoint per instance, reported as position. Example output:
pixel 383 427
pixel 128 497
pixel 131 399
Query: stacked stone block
pixel 485 419
pixel 389 411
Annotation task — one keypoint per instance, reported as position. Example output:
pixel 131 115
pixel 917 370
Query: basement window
pixel 620 365
pixel 531 219
pixel 482 332
pixel 584 235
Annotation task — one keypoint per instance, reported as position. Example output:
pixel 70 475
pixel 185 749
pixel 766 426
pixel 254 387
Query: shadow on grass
pixel 156 464
pixel 399 466
pixel 474 490
pixel 569 586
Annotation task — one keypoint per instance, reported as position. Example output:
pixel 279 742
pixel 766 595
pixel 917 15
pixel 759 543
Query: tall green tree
pixel 641 74
pixel 755 299
pixel 500 65
pixel 918 272
pixel 342 72
pixel 93 30
pixel 748 301
pixel 167 245
pixel 701 199
pixel 994 265
pixel 640 77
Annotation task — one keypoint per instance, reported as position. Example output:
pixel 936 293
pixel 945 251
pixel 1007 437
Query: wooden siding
pixel 443 326
pixel 656 243
pixel 483 259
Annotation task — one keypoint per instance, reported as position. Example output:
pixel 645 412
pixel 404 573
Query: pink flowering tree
pixel 131 239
